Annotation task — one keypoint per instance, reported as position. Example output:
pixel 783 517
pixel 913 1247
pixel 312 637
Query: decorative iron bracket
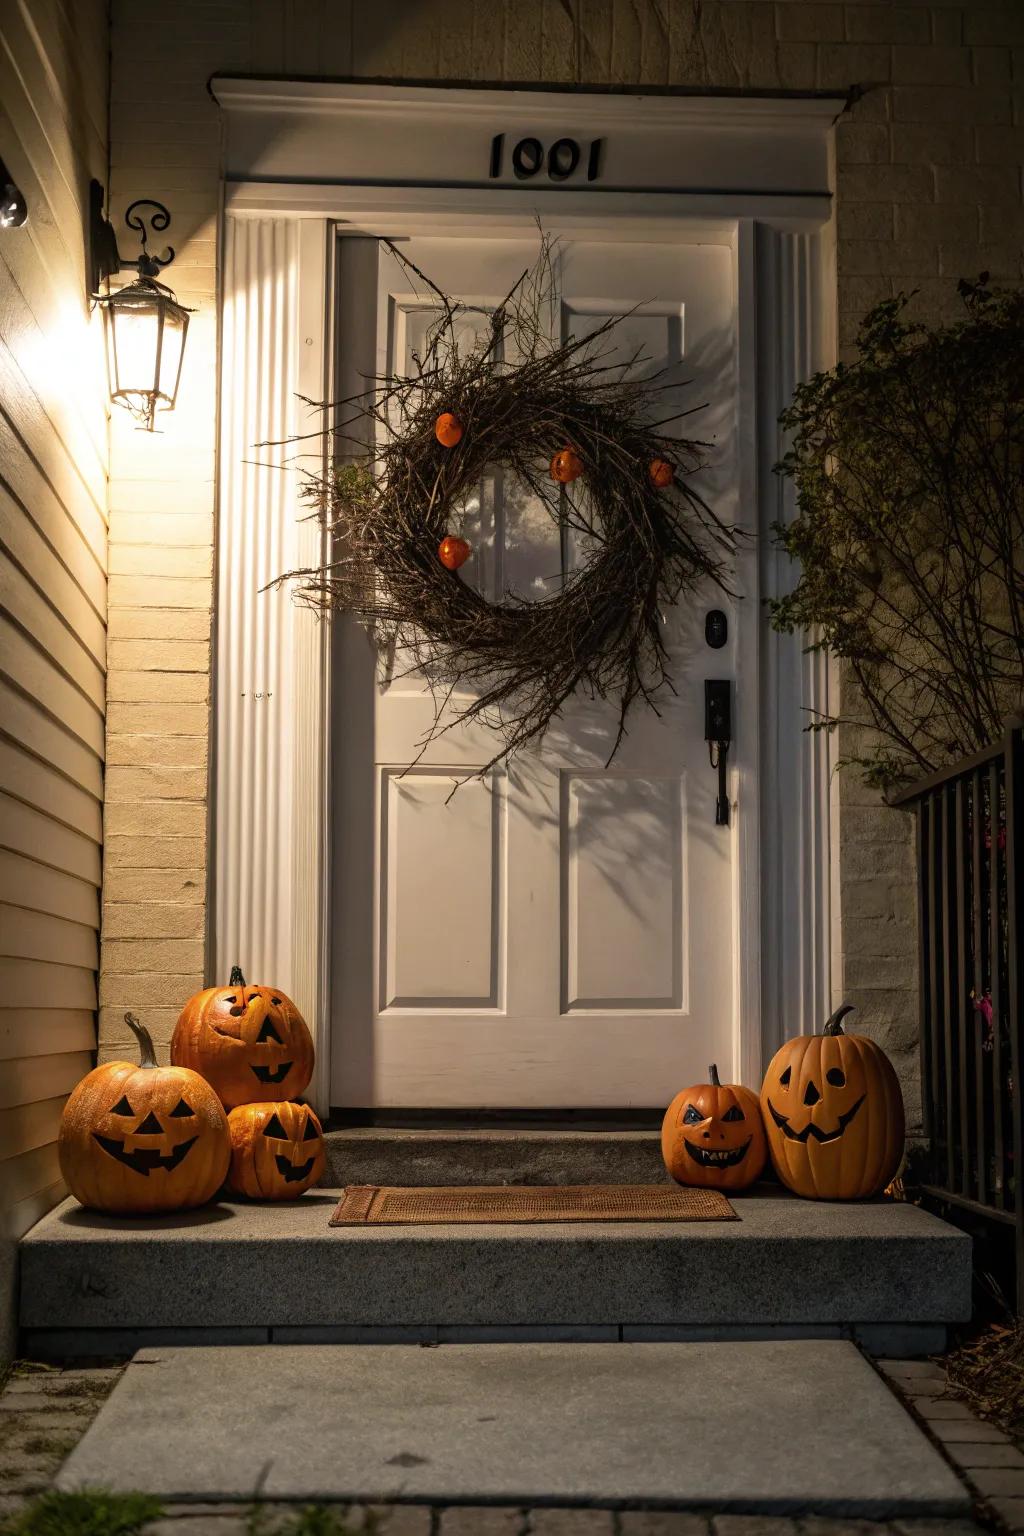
pixel 104 257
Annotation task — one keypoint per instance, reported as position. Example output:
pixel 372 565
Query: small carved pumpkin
pixel 448 430
pixel 453 552
pixel 833 1112
pixel 277 1150
pixel 566 466
pixel 713 1136
pixel 135 1139
pixel 661 473
pixel 248 1042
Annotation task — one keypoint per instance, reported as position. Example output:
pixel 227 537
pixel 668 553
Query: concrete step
pixel 369 1155
pixel 278 1273
pixel 612 1426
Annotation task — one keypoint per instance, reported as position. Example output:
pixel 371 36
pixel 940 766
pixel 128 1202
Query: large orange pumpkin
pixel 712 1136
pixel 833 1112
pixel 135 1139
pixel 250 1043
pixel 277 1150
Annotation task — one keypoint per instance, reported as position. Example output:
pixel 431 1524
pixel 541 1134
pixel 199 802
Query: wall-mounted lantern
pixel 145 325
pixel 13 207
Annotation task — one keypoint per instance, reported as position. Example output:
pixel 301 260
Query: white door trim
pixel 783 832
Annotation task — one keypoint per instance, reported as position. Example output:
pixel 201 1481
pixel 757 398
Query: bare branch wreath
pixel 518 399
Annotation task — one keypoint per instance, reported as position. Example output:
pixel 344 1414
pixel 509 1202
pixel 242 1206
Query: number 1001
pixel 558 161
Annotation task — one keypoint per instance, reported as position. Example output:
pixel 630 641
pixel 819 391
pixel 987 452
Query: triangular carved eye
pixel 735 1113
pixel 268 1032
pixel 181 1110
pixel 122 1107
pixel 693 1115
pixel 310 1133
pixel 784 1079
pixel 275 1129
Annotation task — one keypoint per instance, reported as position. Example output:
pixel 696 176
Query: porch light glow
pixel 145 329
pixel 144 325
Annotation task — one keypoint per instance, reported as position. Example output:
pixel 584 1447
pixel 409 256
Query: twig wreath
pixel 573 426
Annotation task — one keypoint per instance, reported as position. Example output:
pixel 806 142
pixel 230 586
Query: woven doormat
pixel 376 1205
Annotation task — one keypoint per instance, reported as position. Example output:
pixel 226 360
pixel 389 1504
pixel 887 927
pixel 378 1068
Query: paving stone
pixel 26 1476
pixel 200 1525
pixel 11 1504
pixel 753 1525
pixel 953 1432
pixel 813 1526
pixel 936 1528
pixel 662 1522
pixel 60 1421
pixel 467 1521
pixel 922 1369
pixel 12 1401
pixel 998 1482
pixel 917 1387
pixel 392 1519
pixel 1011 1511
pixel 971 1456
pixel 945 1408
pixel 571 1522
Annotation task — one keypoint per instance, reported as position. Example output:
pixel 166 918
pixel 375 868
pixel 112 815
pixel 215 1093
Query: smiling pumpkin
pixel 248 1042
pixel 833 1113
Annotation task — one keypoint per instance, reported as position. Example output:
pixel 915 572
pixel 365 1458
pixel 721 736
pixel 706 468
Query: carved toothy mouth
pixel 707 1158
pixel 145 1159
pixel 289 1172
pixel 810 1129
pixel 272 1074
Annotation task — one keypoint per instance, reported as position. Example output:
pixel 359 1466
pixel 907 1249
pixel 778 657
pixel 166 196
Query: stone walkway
pixel 45 1411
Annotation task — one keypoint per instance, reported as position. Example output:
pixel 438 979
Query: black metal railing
pixel 970 887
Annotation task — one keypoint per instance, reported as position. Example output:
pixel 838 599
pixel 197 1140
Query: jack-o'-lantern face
pixel 713 1136
pixel 138 1139
pixel 833 1113
pixel 277 1150
pixel 249 1042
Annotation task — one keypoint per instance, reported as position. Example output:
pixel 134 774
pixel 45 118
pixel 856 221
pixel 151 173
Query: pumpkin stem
pixel 147 1055
pixel 835 1023
pixel 236 979
pixel 713 1076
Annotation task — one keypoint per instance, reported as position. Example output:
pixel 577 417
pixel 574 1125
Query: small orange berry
pixel 566 466
pixel 448 429
pixel 661 473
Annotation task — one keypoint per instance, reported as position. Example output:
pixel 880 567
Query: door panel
pixel 556 932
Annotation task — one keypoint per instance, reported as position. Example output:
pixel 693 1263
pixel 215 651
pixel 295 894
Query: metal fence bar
pixel 982 1121
pixel 995 987
pixel 970 860
pixel 1014 799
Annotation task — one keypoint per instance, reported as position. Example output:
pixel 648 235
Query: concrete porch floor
pixel 887 1273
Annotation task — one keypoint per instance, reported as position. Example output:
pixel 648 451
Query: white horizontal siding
pixel 53 593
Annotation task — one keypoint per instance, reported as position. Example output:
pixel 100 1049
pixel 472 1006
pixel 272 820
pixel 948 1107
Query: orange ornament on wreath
pixel 448 430
pixel 566 466
pixel 661 473
pixel 453 552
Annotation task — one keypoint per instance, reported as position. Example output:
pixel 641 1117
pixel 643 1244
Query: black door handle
pixel 718 735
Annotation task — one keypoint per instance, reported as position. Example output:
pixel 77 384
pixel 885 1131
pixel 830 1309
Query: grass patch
pixel 988 1372
pixel 93 1513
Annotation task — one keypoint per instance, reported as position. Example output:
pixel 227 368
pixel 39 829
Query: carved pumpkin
pixel 448 430
pixel 713 1136
pixel 135 1139
pixel 566 466
pixel 277 1150
pixel 833 1112
pixel 453 552
pixel 661 473
pixel 250 1043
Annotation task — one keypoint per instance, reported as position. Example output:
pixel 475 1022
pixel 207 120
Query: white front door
pixel 556 934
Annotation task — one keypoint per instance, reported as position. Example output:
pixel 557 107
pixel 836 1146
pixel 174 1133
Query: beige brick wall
pixel 929 188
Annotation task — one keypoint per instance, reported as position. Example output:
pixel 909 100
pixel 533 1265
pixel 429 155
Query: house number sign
pixel 560 160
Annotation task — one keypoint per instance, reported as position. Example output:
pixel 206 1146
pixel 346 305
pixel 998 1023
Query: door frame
pixel 283 236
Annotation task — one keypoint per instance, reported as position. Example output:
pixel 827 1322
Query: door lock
pixel 718 735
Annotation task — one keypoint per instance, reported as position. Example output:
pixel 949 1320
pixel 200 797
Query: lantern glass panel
pixel 175 321
pixel 133 330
